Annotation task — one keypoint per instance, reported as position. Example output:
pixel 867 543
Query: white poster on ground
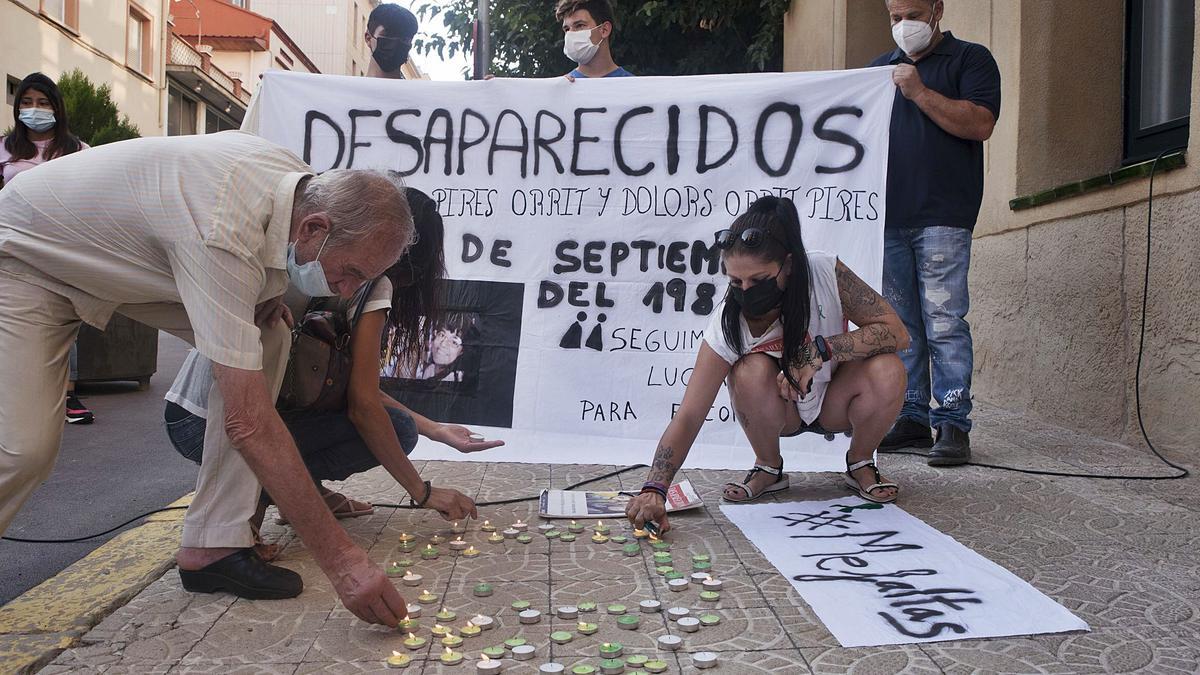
pixel 876 575
pixel 579 234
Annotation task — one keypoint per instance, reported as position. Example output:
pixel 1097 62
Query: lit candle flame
pixel 410 637
pixel 470 625
pixel 486 661
pixel 487 522
pixel 572 522
pixel 448 651
pixel 607 645
pixel 428 547
pixel 459 539
pixel 396 653
pixel 439 626
pixel 424 591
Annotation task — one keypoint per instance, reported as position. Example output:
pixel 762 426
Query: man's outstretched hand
pixel 365 590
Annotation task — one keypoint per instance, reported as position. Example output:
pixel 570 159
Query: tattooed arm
pixel 681 433
pixel 880 329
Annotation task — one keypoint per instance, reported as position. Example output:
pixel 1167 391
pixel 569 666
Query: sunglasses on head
pixel 751 237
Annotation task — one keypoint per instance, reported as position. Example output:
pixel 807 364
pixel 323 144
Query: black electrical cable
pixel 1137 393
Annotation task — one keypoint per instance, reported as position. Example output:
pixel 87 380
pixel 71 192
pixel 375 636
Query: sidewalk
pixel 1120 554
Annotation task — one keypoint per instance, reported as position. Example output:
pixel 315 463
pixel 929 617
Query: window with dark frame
pixel 1160 38
pixel 10 94
pixel 138 50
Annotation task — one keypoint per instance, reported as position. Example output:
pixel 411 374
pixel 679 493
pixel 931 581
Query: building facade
pixel 122 43
pixel 1093 91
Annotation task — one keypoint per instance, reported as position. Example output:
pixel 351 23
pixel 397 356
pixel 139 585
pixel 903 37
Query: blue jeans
pixel 925 280
pixel 329 443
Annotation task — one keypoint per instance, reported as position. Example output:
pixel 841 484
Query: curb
pixel 51 617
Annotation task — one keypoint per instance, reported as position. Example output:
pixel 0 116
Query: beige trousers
pixel 36 331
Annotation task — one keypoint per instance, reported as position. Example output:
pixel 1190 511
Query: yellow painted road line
pixel 51 617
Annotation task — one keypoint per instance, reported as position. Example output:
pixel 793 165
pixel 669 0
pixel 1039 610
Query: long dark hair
pixel 778 218
pixel 18 143
pixel 416 283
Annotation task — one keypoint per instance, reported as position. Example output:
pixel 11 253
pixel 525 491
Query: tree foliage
pixel 93 116
pixel 653 37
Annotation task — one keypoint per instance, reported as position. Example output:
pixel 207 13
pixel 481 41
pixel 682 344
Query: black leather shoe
pixel 953 447
pixel 906 433
pixel 245 575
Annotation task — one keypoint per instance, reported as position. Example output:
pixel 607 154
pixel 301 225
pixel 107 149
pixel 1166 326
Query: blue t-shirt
pixel 935 178
pixel 619 72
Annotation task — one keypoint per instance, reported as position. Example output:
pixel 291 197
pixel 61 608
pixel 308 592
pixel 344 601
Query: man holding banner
pixel 588 27
pixel 947 101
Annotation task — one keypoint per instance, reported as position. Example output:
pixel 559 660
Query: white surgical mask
pixel 578 47
pixel 37 119
pixel 912 36
pixel 309 278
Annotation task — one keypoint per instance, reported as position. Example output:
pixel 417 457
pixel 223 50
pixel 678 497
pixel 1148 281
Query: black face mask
pixel 760 298
pixel 391 53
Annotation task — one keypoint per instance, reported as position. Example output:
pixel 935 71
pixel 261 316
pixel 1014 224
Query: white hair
pixel 360 204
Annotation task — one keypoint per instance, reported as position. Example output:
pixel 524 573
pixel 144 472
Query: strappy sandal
pixel 855 486
pixel 781 483
pixel 341 507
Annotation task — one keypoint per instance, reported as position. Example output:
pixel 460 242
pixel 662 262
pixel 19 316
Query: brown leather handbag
pixel 319 364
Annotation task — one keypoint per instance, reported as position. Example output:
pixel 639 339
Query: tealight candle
pixel 398 660
pixel 611 650
pixel 458 545
pixel 677 613
pixel 482 590
pixel 618 539
pixel 656 666
pixel 710 596
pixel 524 538
pixel 487 665
pixel 660 545
pixel 650 606
pixel 552 668
pixel 484 622
pixel 553 534
pixel 632 550
pixel 546 527
pixel 495 538
pixel 470 630
pixel 711 584
pixel 585 628
pixel 677 585
pixel 601 528
pixel 616 609
pixel 701 566
pixel 427 598
pixel 670 642
pixel 561 637
pixel 599 539
pixel 568 537
pixel 445 615
pixel 520 605
pixel 411 579
pixel 452 641
pixel 470 552
pixel 408 625
pixel 704 659
pixel 451 657
pixel 629 622
pixel 495 652
pixel 639 533
pixel 568 612
pixel 583 669
pixel 429 552
pixel 575 528
pixel 663 569
pixel 437 539
pixel 636 660
pixel 662 558
pixel 673 574
pixel 524 652
pixel 458 528
pixel 439 630
pixel 404 563
pixel 487 526
pixel 413 642
pixel 407 539
pixel 520 526
pixel 709 619
pixel 530 616
pixel 414 610
pixel 587 606
pixel 612 666
pixel 701 557
pixel 394 570
pixel 513 643
pixel 689 624
pixel 699 578
pixel 511 533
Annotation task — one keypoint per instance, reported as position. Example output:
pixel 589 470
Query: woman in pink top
pixel 39 135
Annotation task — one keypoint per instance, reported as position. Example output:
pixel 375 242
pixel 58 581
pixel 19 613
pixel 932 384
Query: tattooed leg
pixel 763 414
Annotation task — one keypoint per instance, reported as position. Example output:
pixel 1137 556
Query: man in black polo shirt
pixel 947 103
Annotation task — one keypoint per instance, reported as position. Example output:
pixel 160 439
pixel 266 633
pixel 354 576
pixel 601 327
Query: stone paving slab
pixel 1120 554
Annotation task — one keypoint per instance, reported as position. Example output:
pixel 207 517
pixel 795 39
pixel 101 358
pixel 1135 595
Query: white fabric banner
pixel 579 234
pixel 876 575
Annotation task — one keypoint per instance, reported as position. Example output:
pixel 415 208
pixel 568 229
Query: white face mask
pixel 578 47
pixel 912 36
pixel 309 278
pixel 37 119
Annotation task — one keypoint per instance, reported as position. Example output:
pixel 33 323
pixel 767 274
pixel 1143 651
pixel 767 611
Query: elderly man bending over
pixel 197 236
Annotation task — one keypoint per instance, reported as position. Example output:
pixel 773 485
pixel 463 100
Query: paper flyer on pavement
pixel 599 504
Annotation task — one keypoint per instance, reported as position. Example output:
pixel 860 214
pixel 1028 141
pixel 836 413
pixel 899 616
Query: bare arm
pixel 681 433
pixel 880 329
pixel 963 119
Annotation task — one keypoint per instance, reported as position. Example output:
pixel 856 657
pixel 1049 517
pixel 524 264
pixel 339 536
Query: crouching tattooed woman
pixel 780 341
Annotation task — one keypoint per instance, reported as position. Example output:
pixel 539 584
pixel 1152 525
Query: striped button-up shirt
pixel 202 221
